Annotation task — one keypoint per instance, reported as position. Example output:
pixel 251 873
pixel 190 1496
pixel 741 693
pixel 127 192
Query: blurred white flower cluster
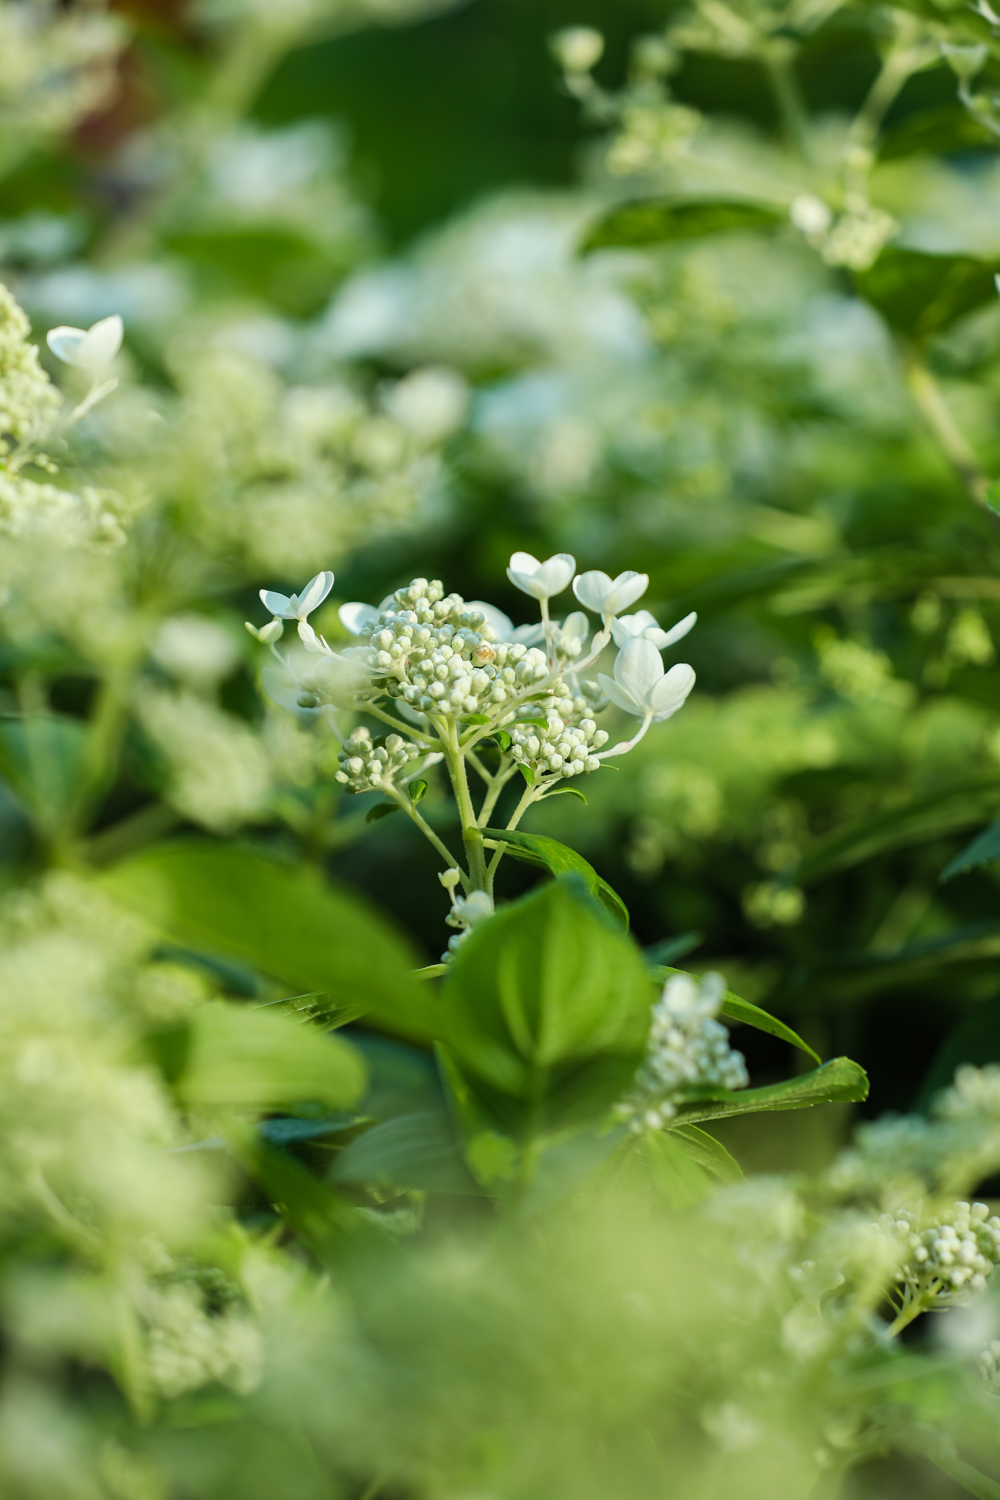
pixel 946 1255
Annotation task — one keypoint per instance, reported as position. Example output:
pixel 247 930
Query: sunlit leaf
pixel 839 1081
pixel 655 221
pixel 539 849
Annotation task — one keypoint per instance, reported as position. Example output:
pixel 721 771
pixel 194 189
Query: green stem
pixel 402 800
pixel 781 72
pixel 409 731
pixel 528 796
pixel 497 784
pixel 454 759
pixel 950 439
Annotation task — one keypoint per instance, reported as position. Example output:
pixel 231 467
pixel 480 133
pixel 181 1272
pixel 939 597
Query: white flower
pixel 90 349
pixel 541 580
pixel 643 626
pixel 300 606
pixel 606 596
pixel 357 618
pixel 641 686
pixel 503 626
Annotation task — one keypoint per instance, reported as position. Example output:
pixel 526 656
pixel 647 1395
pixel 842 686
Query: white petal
pixel 670 693
pixel 679 631
pixel 282 687
pixel 528 583
pixel 523 562
pixel 64 342
pixel 618 695
pixel 626 589
pixel 527 635
pixel 556 572
pixel 591 589
pixel 278 604
pixel 638 669
pixel 314 593
pixel 311 640
pixel 658 637
pixel 501 625
pixel 576 624
pixel 100 344
pixel 357 618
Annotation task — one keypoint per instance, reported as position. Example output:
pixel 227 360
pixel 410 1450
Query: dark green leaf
pixel 934 131
pixel 418 791
pixel 935 815
pixel 982 851
pixel 566 791
pixel 974 1040
pixel 380 810
pixel 920 294
pixel 410 1151
pixel 244 1058
pixel 547 1007
pixel 503 739
pixel 840 1081
pixel 42 759
pixel 528 774
pixel 654 221
pixel 670 948
pixel 284 921
pixel 539 849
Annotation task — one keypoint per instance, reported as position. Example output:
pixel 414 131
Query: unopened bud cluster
pixel 366 765
pixel 951 1254
pixel 687 1052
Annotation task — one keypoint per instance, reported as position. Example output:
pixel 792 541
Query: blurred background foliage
pixel 281 206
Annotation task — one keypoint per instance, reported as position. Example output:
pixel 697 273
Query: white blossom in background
pixel 606 596
pixel 93 351
pixel 299 607
pixel 687 1053
pixel 943 1257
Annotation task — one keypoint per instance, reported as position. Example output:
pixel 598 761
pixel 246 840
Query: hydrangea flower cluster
pixel 945 1257
pixel 687 1054
pixel 458 682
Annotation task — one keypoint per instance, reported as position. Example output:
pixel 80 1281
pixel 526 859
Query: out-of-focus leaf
pixel 674 1171
pixel 934 132
pixel 284 921
pixel 919 294
pixel 243 1058
pixel 839 1081
pixel 42 760
pixel 664 953
pixel 411 1151
pixel 654 221
pixel 975 1040
pixel 380 810
pixel 402 1079
pixel 935 815
pixel 539 849
pixel 707 1152
pixel 735 1009
pixel 547 1010
pixel 982 851
pixel 853 974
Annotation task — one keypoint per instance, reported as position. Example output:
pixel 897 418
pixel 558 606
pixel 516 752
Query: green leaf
pixel 528 774
pixel 982 851
pixel 840 1081
pixel 380 810
pixel 565 791
pixel 709 1153
pixel 920 294
pixel 668 949
pixel 935 815
pixel 655 221
pixel 284 921
pixel 532 723
pixel 934 132
pixel 42 759
pixel 418 791
pixel 674 1171
pixel 474 719
pixel 547 1008
pixel 539 849
pixel 411 1151
pixel 244 1058
pixel 974 1040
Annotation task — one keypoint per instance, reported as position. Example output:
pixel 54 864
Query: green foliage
pixel 920 295
pixel 539 849
pixel 649 222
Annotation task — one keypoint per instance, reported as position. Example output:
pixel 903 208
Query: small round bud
pixel 577 48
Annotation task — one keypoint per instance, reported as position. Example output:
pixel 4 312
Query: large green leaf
pixel 736 1009
pixel 974 1040
pixel 240 1057
pixel 43 759
pixel 920 294
pixel 283 920
pixel 547 1008
pixel 935 815
pixel 709 1153
pixel 411 1151
pixel 655 221
pixel 539 849
pixel 982 851
pixel 933 132
pixel 840 1081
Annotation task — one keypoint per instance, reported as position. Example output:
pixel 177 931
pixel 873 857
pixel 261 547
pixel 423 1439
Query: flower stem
pixel 403 801
pixel 454 759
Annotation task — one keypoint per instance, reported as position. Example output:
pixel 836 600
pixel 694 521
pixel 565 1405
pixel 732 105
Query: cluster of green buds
pixel 943 1257
pixel 366 764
